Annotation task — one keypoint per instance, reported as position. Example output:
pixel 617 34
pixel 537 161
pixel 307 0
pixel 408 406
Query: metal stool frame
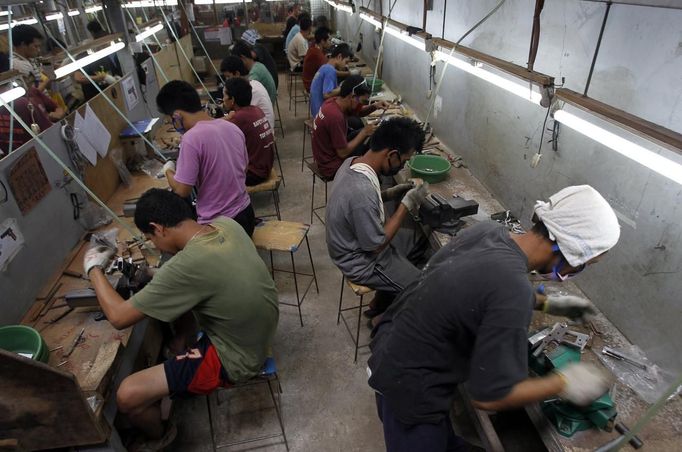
pixel 339 317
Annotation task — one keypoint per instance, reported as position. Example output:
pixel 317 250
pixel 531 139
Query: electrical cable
pixel 137 29
pixel 452 51
pixel 596 50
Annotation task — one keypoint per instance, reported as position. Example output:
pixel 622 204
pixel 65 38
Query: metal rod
pixel 596 50
pixel 220 76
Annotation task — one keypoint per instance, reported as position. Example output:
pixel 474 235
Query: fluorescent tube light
pixel 149 31
pixel 405 37
pixel 12 94
pixel 218 2
pixel 521 90
pixel 88 59
pixel 4 13
pixel 93 9
pixel 150 3
pixel 369 19
pixel 73 12
pixel 54 16
pixel 633 151
pixel 29 21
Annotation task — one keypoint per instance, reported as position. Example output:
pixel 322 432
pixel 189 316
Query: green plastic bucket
pixel 376 87
pixel 24 340
pixel 430 168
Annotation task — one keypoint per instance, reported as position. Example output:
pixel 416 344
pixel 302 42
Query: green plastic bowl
pixel 430 168
pixel 376 87
pixel 25 340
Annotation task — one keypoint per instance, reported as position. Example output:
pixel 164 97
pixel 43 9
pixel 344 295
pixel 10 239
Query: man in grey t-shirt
pixel 368 248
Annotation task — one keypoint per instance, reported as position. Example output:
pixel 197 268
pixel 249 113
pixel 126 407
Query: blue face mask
pixel 555 274
pixel 178 125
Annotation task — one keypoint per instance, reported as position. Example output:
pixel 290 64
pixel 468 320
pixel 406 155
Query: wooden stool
pixel 268 375
pixel 286 236
pixel 359 291
pixel 271 185
pixel 307 130
pixel 317 174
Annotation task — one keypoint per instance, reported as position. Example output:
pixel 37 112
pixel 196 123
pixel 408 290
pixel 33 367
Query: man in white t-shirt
pixel 233 66
pixel 298 46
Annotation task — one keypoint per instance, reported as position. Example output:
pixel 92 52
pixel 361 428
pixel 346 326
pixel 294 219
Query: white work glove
pixel 396 191
pixel 583 383
pixel 354 72
pixel 97 256
pixel 414 198
pixel 575 308
pixel 109 79
pixel 168 166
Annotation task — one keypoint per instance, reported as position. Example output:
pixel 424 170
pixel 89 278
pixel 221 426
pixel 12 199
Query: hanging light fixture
pixel 371 17
pixel 341 6
pixel 24 21
pixel 150 3
pixel 218 2
pixel 148 31
pixel 93 9
pixel 418 39
pixel 91 57
pixel 54 16
pixel 73 12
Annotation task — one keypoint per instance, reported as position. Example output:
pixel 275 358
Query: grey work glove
pixel 583 383
pixel 575 308
pixel 97 256
pixel 396 191
pixel 414 198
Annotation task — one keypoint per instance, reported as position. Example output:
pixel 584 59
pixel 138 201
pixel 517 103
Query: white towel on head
pixel 581 222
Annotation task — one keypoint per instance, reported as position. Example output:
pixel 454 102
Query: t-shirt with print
pixel 259 140
pixel 465 319
pixel 296 50
pixel 354 228
pixel 329 134
pixel 325 82
pixel 260 73
pixel 213 159
pixel 220 277
pixel 312 62
pixel 261 99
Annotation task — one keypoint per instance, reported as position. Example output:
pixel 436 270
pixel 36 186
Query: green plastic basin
pixel 430 168
pixel 376 87
pixel 24 340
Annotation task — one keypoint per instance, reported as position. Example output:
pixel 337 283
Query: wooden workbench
pixel 664 433
pixel 105 355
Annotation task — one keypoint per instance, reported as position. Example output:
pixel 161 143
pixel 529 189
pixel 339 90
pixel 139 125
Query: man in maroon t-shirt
pixel 253 123
pixel 330 129
pixel 33 108
pixel 315 57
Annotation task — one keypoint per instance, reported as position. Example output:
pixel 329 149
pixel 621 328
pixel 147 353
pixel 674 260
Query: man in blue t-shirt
pixel 325 83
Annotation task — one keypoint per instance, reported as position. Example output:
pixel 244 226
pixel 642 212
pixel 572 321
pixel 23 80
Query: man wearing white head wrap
pixel 466 319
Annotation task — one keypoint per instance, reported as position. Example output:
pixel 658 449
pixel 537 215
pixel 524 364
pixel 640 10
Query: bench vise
pixel 445 214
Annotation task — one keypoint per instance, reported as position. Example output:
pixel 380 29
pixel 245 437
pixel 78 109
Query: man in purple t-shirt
pixel 212 158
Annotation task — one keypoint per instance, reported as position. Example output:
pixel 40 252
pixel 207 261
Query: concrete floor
pixel 327 404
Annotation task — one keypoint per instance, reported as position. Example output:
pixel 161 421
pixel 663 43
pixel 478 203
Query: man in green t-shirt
pixel 217 274
pixel 257 70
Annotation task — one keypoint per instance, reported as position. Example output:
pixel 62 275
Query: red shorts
pixel 197 371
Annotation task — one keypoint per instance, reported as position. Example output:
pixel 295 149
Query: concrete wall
pixel 638 284
pixel 49 230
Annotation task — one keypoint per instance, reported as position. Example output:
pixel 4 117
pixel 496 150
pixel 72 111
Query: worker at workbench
pixel 368 248
pixel 298 46
pixel 466 319
pixel 217 274
pixel 212 158
pixel 260 54
pixel 260 141
pixel 326 83
pixel 256 70
pixel 316 56
pixel 233 66
pixel 330 136
pixel 104 71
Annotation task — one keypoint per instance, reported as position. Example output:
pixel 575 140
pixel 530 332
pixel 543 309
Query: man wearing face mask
pixel 368 248
pixel 466 320
pixel 213 158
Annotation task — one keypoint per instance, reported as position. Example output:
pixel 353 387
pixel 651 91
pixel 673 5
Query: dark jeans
pixel 401 437
pixel 247 219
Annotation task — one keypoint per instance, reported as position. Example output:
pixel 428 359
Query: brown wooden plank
pixel 44 407
pixel 503 65
pixel 640 127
